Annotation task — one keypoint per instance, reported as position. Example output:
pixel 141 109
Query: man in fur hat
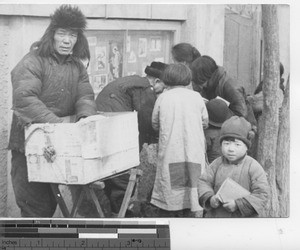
pixel 131 93
pixel 49 84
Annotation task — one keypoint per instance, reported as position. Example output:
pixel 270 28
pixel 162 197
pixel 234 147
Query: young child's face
pixel 233 150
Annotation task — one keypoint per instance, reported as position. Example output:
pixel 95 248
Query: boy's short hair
pixel 237 128
pixel 176 75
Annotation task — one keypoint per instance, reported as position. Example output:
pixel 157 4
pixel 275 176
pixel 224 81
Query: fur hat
pixel 155 69
pixel 238 128
pixel 218 112
pixel 68 17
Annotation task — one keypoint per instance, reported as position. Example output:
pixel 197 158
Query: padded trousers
pixel 35 199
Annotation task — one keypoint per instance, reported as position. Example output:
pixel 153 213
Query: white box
pixel 91 149
pixel 108 133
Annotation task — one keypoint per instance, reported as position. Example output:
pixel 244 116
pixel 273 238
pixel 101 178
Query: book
pixel 231 190
pixel 227 103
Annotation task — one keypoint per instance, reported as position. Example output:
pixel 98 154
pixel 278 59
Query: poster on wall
pixel 101 58
pixel 142 47
pixel 100 81
pixel 132 57
pixel 115 60
pixel 155 44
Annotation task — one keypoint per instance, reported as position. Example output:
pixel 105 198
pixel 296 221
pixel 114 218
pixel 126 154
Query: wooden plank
pixel 91 192
pixel 62 205
pixel 77 203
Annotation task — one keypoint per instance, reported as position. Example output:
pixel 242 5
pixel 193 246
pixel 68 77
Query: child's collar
pixel 237 162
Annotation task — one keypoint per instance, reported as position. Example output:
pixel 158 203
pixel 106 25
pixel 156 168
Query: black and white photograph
pixel 149 111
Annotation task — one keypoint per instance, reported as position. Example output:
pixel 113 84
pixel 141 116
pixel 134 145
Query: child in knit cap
pixel 218 112
pixel 234 163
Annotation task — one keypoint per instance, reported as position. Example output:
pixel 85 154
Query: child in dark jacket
pixel 241 168
pixel 218 112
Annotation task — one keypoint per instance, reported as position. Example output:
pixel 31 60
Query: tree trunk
pixel 267 142
pixel 283 154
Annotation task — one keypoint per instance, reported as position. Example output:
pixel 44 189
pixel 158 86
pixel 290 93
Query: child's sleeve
pixel 206 186
pixel 259 188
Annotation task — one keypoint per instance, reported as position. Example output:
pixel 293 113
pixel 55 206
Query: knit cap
pixel 238 128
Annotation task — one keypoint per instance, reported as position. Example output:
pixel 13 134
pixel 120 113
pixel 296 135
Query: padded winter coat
pixel 131 93
pixel 47 89
pixel 249 174
pixel 220 84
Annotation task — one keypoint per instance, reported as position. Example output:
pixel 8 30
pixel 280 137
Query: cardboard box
pixel 91 149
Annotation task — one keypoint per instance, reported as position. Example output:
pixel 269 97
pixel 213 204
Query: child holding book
pixel 241 168
pixel 179 115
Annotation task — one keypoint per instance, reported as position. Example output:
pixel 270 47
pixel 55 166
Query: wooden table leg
pixel 62 205
pixel 90 191
pixel 129 190
pixel 77 203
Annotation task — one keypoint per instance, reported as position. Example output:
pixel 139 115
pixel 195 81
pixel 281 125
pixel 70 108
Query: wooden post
pixel 283 154
pixel 267 143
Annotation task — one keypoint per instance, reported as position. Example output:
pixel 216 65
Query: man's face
pixel 157 84
pixel 233 150
pixel 64 41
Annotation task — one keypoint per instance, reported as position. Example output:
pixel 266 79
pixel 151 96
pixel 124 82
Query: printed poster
pixel 100 81
pixel 132 57
pixel 115 60
pixel 155 44
pixel 142 47
pixel 101 58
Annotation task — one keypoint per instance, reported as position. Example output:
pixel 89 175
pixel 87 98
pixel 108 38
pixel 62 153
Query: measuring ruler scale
pixel 86 234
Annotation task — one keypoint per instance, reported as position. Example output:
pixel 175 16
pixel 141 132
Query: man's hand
pixel 214 201
pixel 230 206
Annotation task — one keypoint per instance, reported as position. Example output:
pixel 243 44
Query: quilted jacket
pixel 131 93
pixel 220 84
pixel 47 89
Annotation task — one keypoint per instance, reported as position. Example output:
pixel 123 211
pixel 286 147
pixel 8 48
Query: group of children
pixel 193 132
